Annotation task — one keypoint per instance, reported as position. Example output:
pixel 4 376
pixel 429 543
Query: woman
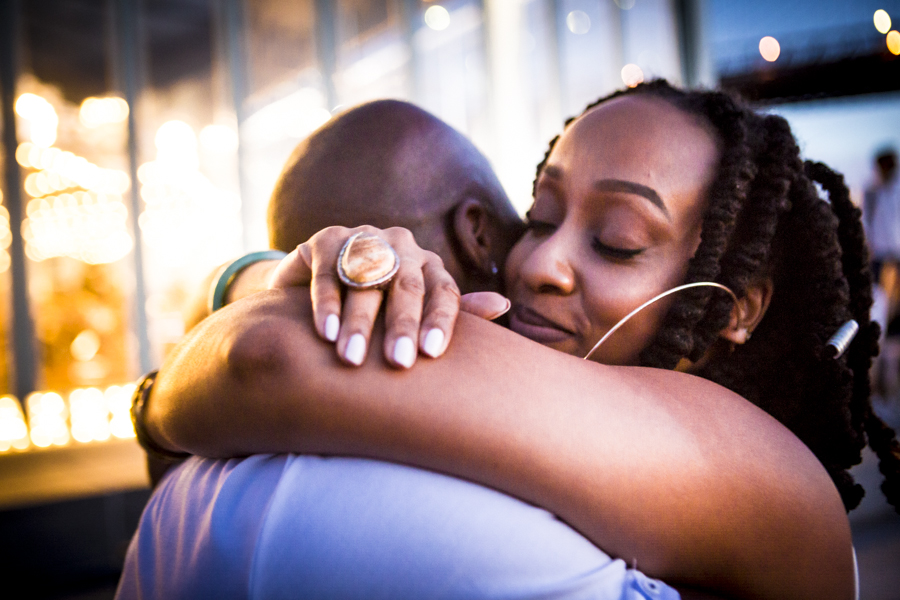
pixel 639 194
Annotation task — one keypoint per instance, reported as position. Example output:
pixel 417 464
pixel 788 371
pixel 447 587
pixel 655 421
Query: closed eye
pixel 538 227
pixel 614 252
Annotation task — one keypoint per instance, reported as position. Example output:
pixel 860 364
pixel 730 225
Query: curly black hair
pixel 770 214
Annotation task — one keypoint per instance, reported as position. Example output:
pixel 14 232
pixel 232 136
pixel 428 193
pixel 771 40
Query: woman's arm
pixel 691 481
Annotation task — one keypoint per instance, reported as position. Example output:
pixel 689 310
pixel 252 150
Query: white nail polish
pixel 356 349
pixel 332 327
pixel 434 343
pixel 404 351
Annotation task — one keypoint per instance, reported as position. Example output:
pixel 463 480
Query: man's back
pixel 288 526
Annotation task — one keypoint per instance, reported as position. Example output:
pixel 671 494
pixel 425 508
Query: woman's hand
pixel 422 304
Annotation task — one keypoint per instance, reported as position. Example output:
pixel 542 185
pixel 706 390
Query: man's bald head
pixel 386 163
pixel 389 163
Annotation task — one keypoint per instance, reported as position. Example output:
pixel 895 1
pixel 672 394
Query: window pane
pixel 72 132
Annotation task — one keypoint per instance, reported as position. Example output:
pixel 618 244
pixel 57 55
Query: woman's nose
pixel 548 268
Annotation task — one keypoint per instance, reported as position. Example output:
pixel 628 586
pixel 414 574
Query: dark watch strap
pixel 138 402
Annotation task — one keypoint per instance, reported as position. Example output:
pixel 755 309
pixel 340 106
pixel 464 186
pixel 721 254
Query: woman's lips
pixel 535 326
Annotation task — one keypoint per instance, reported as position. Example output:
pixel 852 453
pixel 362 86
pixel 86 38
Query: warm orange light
pixel 893 42
pixel 769 48
pixel 101 111
pixel 882 21
pixel 13 431
pixel 632 75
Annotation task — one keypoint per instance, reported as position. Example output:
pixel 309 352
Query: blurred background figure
pixel 881 207
pixel 881 216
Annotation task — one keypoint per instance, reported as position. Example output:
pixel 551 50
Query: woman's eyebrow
pixel 630 187
pixel 551 171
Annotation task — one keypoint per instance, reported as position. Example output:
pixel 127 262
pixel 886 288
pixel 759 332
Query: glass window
pixel 72 152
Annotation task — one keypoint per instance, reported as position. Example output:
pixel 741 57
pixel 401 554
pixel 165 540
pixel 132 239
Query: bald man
pixel 390 164
pixel 299 526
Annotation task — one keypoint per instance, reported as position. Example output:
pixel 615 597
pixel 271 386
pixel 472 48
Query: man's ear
pixel 749 311
pixel 471 228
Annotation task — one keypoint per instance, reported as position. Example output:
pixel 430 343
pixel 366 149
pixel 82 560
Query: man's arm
pixel 694 483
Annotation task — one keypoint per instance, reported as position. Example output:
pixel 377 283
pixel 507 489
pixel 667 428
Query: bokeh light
pixel 219 138
pixel 86 225
pixel 893 42
pixel 294 116
pixel 882 21
pixel 769 48
pixel 185 216
pixel 175 137
pixel 632 75
pixel 47 416
pixel 41 117
pixel 85 345
pixel 437 17
pixel 118 401
pixel 95 112
pixel 90 415
pixel 13 430
pixel 578 22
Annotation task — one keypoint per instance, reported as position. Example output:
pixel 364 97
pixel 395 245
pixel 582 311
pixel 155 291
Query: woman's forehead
pixel 643 135
pixel 630 120
pixel 641 140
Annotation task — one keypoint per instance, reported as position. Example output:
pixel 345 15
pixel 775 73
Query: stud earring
pixel 494 269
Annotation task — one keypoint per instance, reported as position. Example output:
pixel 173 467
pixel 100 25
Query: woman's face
pixel 616 217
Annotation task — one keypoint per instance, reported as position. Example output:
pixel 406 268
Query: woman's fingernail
pixel 356 349
pixel 332 327
pixel 504 311
pixel 434 343
pixel 404 352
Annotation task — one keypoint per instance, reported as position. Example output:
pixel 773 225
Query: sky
pixel 843 132
pixel 741 19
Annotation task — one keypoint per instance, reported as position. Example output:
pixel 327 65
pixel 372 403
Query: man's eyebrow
pixel 630 187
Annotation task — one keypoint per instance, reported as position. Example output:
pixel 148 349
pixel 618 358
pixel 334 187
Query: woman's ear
pixel 471 225
pixel 749 311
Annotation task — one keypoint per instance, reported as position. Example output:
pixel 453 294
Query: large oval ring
pixel 366 261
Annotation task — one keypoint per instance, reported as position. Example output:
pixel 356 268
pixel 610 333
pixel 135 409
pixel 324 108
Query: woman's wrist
pixel 220 292
pixel 251 280
pixel 148 439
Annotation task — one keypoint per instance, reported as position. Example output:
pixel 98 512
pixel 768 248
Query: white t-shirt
pixel 289 526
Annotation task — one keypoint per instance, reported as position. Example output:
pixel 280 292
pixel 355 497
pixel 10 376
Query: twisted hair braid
pixel 765 218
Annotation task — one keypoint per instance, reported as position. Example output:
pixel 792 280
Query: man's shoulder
pixel 270 526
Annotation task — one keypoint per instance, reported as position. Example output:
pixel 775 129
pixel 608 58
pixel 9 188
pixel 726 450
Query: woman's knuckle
pixel 324 274
pixel 400 236
pixel 404 323
pixel 447 287
pixel 434 258
pixel 358 324
pixel 440 315
pixel 410 284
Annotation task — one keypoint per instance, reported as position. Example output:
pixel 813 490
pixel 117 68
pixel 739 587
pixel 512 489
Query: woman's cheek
pixel 619 292
pixel 514 261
